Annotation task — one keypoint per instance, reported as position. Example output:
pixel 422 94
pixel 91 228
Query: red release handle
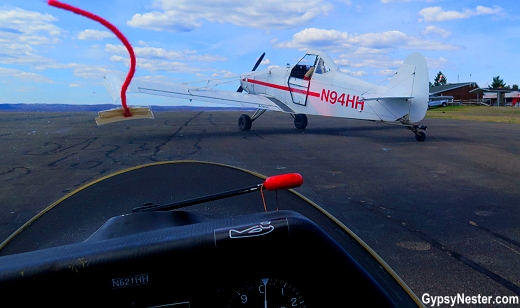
pixel 283 181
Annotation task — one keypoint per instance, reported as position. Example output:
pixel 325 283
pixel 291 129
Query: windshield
pixel 442 213
pixel 321 67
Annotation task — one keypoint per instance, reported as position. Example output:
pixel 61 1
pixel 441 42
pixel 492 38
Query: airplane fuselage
pixel 319 96
pixel 331 92
pixel 314 86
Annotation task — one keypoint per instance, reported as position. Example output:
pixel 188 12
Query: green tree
pixel 440 79
pixel 498 83
pixel 515 87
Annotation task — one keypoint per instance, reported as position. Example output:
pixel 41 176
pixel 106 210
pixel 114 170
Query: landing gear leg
pixel 419 136
pixel 245 122
pixel 300 120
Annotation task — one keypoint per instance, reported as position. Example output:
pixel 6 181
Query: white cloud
pixel 313 38
pixel 436 13
pixel 23 36
pixel 266 62
pixel 482 10
pixel 155 53
pixel 380 62
pixel 337 41
pixel 156 59
pixel 187 15
pixel 387 72
pixel 394 1
pixel 53 64
pixel 167 66
pixel 380 40
pixel 437 31
pixel 79 70
pixel 368 51
pixel 119 59
pixel 154 79
pixel 28 22
pixel 21 31
pixel 146 52
pixel 26 76
pixel 164 21
pixel 375 64
pixel 92 72
pixel 91 34
pixel 436 63
pixel 354 73
pixel 154 65
pixel 22 55
pixel 224 74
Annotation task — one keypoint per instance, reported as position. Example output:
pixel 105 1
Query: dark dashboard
pixel 276 259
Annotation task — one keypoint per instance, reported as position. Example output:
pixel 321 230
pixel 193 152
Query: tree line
pixel 497 83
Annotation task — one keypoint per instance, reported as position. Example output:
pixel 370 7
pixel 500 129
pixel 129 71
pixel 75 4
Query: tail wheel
pixel 300 121
pixel 244 122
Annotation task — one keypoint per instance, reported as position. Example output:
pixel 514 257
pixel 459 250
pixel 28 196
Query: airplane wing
pixel 215 96
pixel 204 94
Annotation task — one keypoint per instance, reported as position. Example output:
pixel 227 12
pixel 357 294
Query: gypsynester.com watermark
pixel 463 299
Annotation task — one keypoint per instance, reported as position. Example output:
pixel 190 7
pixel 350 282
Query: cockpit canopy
pixel 314 62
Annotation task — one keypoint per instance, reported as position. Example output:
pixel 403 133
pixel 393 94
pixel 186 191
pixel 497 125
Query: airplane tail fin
pixel 411 80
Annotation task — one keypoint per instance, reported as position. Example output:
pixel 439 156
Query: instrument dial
pixel 267 293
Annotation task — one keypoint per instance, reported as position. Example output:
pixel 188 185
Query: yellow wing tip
pixel 117 114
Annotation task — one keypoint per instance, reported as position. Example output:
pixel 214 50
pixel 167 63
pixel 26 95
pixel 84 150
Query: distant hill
pixel 94 108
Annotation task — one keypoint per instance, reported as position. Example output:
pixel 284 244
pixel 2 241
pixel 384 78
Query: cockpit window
pixel 309 65
pixel 321 67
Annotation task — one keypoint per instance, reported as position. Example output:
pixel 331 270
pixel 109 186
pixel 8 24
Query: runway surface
pixel 443 213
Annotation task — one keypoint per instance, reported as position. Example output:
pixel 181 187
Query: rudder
pixel 412 80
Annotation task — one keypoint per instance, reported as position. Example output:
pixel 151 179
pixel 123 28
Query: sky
pixel 48 55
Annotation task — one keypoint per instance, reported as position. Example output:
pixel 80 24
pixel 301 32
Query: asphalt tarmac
pixel 443 213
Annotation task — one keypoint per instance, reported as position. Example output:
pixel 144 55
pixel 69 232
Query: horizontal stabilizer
pixel 396 98
pixel 117 114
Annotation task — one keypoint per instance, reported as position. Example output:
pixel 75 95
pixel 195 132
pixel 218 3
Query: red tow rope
pixel 123 39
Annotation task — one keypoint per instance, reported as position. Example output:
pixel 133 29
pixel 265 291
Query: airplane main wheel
pixel 300 121
pixel 420 136
pixel 244 122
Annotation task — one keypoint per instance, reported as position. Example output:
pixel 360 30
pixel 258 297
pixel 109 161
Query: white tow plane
pixel 315 86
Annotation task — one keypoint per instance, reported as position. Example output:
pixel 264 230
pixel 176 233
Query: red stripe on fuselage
pixel 280 87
